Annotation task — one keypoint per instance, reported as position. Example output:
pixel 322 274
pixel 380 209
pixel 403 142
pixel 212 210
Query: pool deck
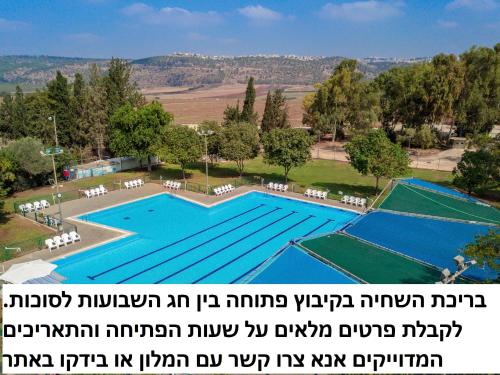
pixel 94 234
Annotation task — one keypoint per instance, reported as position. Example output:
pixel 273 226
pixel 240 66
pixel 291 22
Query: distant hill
pixel 188 69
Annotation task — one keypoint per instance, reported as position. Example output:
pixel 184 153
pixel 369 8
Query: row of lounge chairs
pixel 224 189
pixel 95 192
pixel 347 199
pixel 318 194
pixel 62 240
pixel 174 185
pixel 277 187
pixel 35 206
pixel 134 183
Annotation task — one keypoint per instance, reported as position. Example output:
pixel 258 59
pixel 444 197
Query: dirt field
pixel 195 105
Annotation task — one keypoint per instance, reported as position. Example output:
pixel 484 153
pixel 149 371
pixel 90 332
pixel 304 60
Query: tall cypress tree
pixel 19 121
pixel 247 113
pixel 119 88
pixel 275 112
pixel 59 94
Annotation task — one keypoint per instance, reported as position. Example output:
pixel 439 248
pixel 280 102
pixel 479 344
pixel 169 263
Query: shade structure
pixel 23 272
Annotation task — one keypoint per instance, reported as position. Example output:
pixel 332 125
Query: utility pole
pixel 52 152
pixel 206 133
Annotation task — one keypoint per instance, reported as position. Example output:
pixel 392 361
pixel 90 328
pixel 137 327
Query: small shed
pixel 458 142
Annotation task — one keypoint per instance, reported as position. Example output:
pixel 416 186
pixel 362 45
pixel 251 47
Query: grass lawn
pixel 19 232
pixel 324 174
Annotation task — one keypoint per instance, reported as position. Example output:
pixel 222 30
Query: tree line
pixel 461 91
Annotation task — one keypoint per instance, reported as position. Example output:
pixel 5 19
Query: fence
pixel 103 167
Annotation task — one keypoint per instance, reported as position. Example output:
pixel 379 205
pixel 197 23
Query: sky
pixel 135 29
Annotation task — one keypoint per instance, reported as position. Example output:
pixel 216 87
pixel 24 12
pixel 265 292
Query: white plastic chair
pixel 87 194
pixel 270 186
pixel 362 202
pixel 58 241
pixel 44 203
pixel 127 185
pixel 22 207
pixel 29 207
pixel 51 245
pixel 344 199
pixel 280 187
pixel 308 193
pixel 231 187
pixel 140 182
pixel 352 200
pixel 314 194
pixel 324 195
pixel 74 236
pixel 37 205
pixel 66 238
pixel 102 189
pixel 285 188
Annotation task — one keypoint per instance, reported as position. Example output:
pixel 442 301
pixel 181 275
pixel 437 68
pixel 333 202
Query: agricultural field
pixel 193 105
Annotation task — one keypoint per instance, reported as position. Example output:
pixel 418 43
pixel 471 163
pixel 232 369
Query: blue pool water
pixel 177 241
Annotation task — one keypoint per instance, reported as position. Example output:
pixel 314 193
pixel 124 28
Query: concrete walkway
pixel 96 234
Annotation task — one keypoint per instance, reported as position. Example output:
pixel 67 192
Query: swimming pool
pixel 177 241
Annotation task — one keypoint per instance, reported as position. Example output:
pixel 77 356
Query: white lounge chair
pixel 102 189
pixel 74 236
pixel 66 238
pixel 51 245
pixel 44 203
pixel 308 193
pixel 58 241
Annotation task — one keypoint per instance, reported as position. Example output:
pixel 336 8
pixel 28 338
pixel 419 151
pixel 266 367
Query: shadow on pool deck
pixel 94 234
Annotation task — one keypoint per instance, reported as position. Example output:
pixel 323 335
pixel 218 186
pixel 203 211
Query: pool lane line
pixel 93 277
pixel 197 246
pixel 318 227
pixel 252 249
pixel 224 248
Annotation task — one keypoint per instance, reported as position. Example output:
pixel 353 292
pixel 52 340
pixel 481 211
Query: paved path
pixel 93 234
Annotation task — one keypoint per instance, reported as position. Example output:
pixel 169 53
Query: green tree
pixel 485 249
pixel 375 154
pixel 79 106
pixel 38 110
pixel 59 95
pixel 247 113
pixel 477 169
pixel 478 109
pixel 19 121
pixel 343 101
pixel 119 87
pixel 232 114
pixel 214 141
pixel 134 131
pixel 7 178
pixel 287 148
pixel 7 117
pixel 96 111
pixel 275 112
pixel 425 137
pixel 180 145
pixel 240 142
pixel 31 168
